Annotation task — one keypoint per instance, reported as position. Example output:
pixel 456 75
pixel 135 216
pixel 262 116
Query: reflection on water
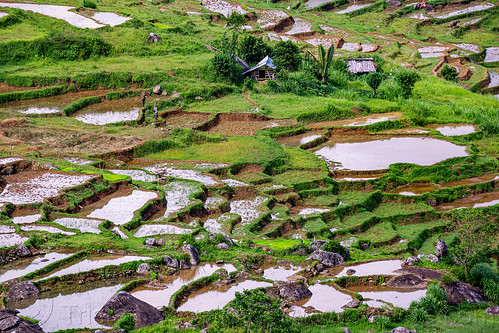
pixel 31 265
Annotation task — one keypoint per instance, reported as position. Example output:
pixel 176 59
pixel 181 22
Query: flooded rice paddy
pixel 491 54
pixel 397 297
pixel 379 154
pixel 159 297
pixel 110 19
pixel 325 298
pixel 357 121
pixel 49 229
pixel 297 140
pixel 280 273
pixel 223 7
pixel 467 10
pixel 382 267
pixel 166 169
pixel 30 265
pixel 109 112
pixel 453 130
pixel 82 224
pixel 11 239
pixel 353 8
pixel 161 229
pixel 7 160
pixel 139 175
pixel 216 225
pixel 247 209
pixel 177 194
pixel 22 219
pixel 312 211
pixel 477 201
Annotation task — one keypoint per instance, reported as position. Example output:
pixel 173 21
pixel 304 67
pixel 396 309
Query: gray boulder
pixel 351 305
pixel 229 240
pixel 156 89
pixel 143 268
pixel 153 38
pixel 294 291
pixel 409 261
pixel 406 281
pixel 328 259
pixel 22 290
pixel 23 251
pixel 394 3
pixel 441 249
pixel 121 303
pixel 184 326
pixel 400 329
pixel 223 246
pixel 372 319
pixel 150 241
pixel 433 258
pixel 183 264
pixel 492 310
pixel 11 323
pixel 459 291
pixel 317 244
pixel 193 253
pixel 351 271
pixel 171 262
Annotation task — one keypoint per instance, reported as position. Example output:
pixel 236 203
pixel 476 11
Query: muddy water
pixel 76 310
pixel 315 3
pixel 139 175
pixel 95 263
pixel 467 10
pixel 3 14
pixel 11 239
pixel 357 178
pixel 78 161
pixel 40 187
pixel 161 229
pixel 6 229
pixel 121 210
pixel 58 12
pixel 177 195
pixel 358 121
pixel 21 219
pixel 372 120
pixel 492 54
pixel 110 19
pixel 452 130
pixel 280 273
pixel 379 154
pixel 383 267
pixel 398 297
pixel 247 209
pixel 297 140
pixel 416 189
pixel 50 229
pixel 476 201
pixel 494 79
pixel 166 169
pixel 223 7
pixel 210 298
pixel 30 265
pixel 216 225
pixel 109 112
pixel 52 104
pixel 325 298
pixel 84 225
pixel 160 297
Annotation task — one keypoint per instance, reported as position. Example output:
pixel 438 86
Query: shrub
pixel 435 302
pixel 491 290
pixel 126 322
pixel 89 4
pixel 406 80
pixel 226 68
pixel 287 56
pixel 335 246
pixel 31 94
pixel 253 49
pixel 447 279
pixel 418 315
pixel 482 271
pixel 449 73
pixel 235 20
pixel 374 80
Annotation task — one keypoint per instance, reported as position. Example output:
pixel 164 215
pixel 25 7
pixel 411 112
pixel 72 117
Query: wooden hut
pixel 264 70
pixel 361 65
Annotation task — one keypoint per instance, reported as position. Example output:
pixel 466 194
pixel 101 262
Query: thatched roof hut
pixel 361 65
pixel 264 70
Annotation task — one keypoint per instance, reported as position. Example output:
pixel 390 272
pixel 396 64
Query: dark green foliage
pixel 56 46
pixel 226 68
pixel 252 49
pixel 30 94
pixel 435 302
pixel 89 4
pixel 248 83
pixel 484 277
pixel 15 16
pixel 331 112
pixel 374 80
pixel 286 56
pixel 330 5
pixel 235 20
pixel 447 279
pixel 335 246
pixel 36 241
pixel 322 62
pixel 153 147
pixel 81 103
pixel 449 73
pixel 126 322
pixel 406 80
pixel 122 94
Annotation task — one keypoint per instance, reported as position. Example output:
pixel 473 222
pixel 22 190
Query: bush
pixel 89 4
pixel 435 302
pixel 287 56
pixel 374 80
pixel 482 271
pixel 253 49
pixel 235 20
pixel 406 80
pixel 449 73
pixel 335 246
pixel 491 290
pixel 447 279
pixel 226 68
pixel 126 322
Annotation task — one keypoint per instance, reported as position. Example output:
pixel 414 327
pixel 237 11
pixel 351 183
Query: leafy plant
pixel 89 4
pixel 235 20
pixel 287 55
pixel 253 49
pixel 322 62
pixel 449 73
pixel 126 322
pixel 407 79
pixel 374 80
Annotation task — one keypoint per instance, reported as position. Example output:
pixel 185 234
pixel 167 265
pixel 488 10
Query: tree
pixel 287 56
pixel 374 80
pixel 253 49
pixel 406 80
pixel 235 20
pixel 323 61
pixel 449 73
pixel 224 64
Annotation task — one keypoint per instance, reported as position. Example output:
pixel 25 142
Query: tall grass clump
pixel 30 94
pixel 81 103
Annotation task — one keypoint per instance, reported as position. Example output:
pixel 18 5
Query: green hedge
pixel 122 94
pixel 81 103
pixel 151 147
pixel 31 94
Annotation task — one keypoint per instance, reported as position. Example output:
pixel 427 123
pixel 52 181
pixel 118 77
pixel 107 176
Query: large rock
pixel 294 291
pixel 143 268
pixel 156 89
pixel 400 329
pixel 394 3
pixel 441 249
pixel 153 38
pixel 193 253
pixel 433 258
pixel 351 305
pixel 11 323
pixel 328 259
pixel 317 244
pixel 183 264
pixel 23 251
pixel 406 281
pixel 492 310
pixel 223 246
pixel 409 261
pixel 171 262
pixel 459 291
pixel 22 290
pixel 123 302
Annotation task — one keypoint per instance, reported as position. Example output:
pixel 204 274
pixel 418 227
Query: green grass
pixel 298 176
pixel 278 244
pixel 380 233
pixel 396 208
pixel 230 103
pixel 302 159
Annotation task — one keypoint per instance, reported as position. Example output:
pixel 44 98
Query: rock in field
pixel 23 251
pixel 459 291
pixel 193 253
pixel 406 281
pixel 171 262
pixel 11 323
pixel 492 310
pixel 22 290
pixel 441 249
pixel 294 291
pixel 328 259
pixel 143 268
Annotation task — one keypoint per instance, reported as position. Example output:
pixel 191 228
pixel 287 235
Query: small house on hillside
pixel 361 65
pixel 264 70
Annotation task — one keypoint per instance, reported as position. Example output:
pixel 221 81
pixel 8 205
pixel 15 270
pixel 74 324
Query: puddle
pixel 78 161
pixel 107 117
pixel 379 154
pixel 491 54
pixel 453 130
pixel 477 201
pixel 415 189
pixel 26 218
pixel 161 229
pixel 494 79
pixel 58 12
pixel 82 224
pixel 41 187
pixel 312 211
pixel 7 160
pixel 31 265
pixel 139 175
pixel 223 7
pixel 121 210
pixel 325 298
pixel 37 110
pixel 353 179
pixel 247 209
pixel 110 19
pixel 167 170
pixel 177 198
pixel 467 10
pixel 358 121
pixel 297 140
pixel 399 298
pixel 3 14
pixel 12 239
pixel 371 120
pixel 352 8
pixel 213 202
pixel 210 298
pixel 383 267
pixel 161 297
pixel 50 229
pixel 94 263
pixel 280 273
pixel 64 312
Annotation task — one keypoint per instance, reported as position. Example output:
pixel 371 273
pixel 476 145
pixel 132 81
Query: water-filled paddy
pixel 456 129
pixel 82 224
pixel 325 298
pixel 401 298
pixel 139 175
pixel 30 265
pixel 161 229
pixel 476 201
pixel 382 267
pixel 50 229
pixel 109 112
